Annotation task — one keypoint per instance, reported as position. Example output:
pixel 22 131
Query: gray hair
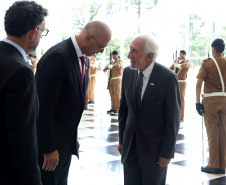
pixel 151 45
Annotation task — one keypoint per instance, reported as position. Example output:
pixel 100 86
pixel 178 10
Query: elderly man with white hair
pixel 149 115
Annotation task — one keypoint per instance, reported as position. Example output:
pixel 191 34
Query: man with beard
pixel 149 115
pixel 24 26
pixel 62 79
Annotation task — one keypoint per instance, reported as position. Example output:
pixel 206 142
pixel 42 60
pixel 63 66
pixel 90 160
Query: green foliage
pixel 200 43
pixel 222 35
pixel 137 3
pixel 115 45
pixel 79 13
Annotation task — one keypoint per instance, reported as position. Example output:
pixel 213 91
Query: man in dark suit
pixel 24 25
pixel 61 83
pixel 149 117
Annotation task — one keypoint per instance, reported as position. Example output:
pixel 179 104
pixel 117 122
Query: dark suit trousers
pixel 134 174
pixel 59 175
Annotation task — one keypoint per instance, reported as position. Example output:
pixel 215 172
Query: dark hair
pixel 219 45
pixel 182 51
pixel 23 16
pixel 31 55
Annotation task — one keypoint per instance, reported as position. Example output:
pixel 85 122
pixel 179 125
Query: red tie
pixel 83 62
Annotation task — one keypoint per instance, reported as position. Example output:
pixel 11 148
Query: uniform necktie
pixel 139 90
pixel 83 62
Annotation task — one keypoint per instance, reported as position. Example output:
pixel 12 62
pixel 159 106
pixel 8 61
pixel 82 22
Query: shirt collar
pixel 21 50
pixel 148 70
pixel 77 49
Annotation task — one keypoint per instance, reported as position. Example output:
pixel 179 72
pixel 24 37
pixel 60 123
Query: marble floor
pixel 99 161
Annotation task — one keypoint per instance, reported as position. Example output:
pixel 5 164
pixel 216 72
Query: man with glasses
pixel 62 79
pixel 18 98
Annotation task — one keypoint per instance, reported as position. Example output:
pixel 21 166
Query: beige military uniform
pixel 115 84
pixel 182 76
pixel 215 110
pixel 92 71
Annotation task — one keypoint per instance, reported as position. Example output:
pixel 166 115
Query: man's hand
pixel 200 108
pixel 117 66
pixel 120 148
pixel 50 161
pixel 163 162
pixel 78 145
pixel 185 66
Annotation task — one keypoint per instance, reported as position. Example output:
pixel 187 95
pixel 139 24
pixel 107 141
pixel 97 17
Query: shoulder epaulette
pixel 206 59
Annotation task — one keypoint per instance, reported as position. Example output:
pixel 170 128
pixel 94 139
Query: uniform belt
pixel 182 80
pixel 93 75
pixel 114 78
pixel 214 94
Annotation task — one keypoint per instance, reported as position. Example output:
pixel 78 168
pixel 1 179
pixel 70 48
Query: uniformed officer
pixel 116 70
pixel 213 72
pixel 93 72
pixel 181 68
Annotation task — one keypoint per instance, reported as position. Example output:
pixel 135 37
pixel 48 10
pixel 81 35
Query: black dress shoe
pixel 91 102
pixel 109 111
pixel 115 111
pixel 85 108
pixel 207 169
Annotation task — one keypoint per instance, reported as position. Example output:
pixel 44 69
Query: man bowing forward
pixel 149 117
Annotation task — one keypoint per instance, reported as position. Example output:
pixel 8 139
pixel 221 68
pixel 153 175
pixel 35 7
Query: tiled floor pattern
pixel 99 161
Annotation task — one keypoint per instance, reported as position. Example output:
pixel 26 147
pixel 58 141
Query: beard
pixel 132 65
pixel 33 44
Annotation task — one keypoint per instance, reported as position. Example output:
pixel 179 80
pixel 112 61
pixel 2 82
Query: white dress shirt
pixel 78 51
pixel 20 49
pixel 147 73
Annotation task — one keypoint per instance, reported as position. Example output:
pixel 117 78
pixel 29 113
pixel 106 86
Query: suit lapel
pixel 133 90
pixel 75 63
pixel 150 86
pixel 86 74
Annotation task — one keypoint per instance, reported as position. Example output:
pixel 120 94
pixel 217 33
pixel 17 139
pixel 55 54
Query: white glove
pixel 110 66
pixel 177 65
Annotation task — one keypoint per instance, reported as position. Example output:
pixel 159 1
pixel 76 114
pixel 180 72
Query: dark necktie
pixel 139 90
pixel 83 62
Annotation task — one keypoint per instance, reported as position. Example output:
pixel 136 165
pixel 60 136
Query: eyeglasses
pixel 44 31
pixel 101 47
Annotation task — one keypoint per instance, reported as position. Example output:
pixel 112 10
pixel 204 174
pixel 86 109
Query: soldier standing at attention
pixel 93 72
pixel 181 68
pixel 213 73
pixel 116 70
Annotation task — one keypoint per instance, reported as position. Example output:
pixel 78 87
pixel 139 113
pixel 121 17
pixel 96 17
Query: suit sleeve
pixel 123 111
pixel 50 80
pixel 172 118
pixel 21 114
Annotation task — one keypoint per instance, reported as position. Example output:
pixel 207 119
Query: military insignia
pixel 152 84
pixel 206 59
